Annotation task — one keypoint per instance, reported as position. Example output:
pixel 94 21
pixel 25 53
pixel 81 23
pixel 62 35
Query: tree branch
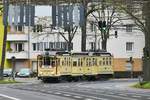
pixel 62 34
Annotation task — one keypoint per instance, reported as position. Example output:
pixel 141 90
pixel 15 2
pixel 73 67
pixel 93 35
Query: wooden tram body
pixel 75 66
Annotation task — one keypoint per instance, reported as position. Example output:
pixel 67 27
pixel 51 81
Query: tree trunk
pixel 3 53
pixel 146 59
pixel 69 41
pixel 104 44
pixel 83 28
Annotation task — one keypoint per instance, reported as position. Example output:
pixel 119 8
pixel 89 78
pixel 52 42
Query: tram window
pixel 81 62
pixel 58 62
pixel 47 61
pixel 53 63
pixel 107 62
pixel 100 63
pixel 65 61
pixel 78 62
pixel 90 63
pixel 87 60
pixel 62 63
pixel 109 58
pixel 95 62
pixel 40 63
pixel 106 58
pixel 68 61
pixel 110 62
pixel 103 58
pixel 103 62
pixel 74 63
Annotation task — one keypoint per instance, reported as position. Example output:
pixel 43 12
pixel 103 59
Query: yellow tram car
pixel 74 66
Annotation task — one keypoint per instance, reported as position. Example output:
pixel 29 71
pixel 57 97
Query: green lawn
pixel 143 85
pixel 7 81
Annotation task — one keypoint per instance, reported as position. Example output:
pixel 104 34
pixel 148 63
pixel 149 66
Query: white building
pixel 26 45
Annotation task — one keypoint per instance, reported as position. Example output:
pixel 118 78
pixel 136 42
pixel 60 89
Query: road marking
pixel 136 96
pixel 57 93
pixel 9 97
pixel 148 98
pixel 117 96
pixel 68 95
pixel 89 99
pixel 123 94
pixel 129 93
pixel 84 95
pixel 78 97
pixel 108 95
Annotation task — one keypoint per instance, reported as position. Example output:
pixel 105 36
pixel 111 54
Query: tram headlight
pixel 41 73
pixel 52 72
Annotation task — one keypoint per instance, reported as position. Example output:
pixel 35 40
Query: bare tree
pixel 71 34
pixel 105 17
pixel 139 11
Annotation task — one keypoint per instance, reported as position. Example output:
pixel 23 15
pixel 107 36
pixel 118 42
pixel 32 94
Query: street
pixel 116 89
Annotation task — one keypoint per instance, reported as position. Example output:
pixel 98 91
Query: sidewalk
pixel 28 80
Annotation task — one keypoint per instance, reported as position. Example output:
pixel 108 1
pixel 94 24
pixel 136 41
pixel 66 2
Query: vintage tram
pixel 74 66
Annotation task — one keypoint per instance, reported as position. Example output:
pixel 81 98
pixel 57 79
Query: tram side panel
pixel 65 65
pixel 105 67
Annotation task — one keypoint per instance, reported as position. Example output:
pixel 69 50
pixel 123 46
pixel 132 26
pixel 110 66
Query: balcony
pixel 17 37
pixel 17 55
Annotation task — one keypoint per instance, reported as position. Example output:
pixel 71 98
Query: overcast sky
pixel 43 11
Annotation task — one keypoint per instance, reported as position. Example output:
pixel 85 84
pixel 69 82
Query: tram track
pixel 74 91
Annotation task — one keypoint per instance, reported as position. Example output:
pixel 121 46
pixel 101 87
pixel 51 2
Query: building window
pixel 129 28
pixel 46 45
pixel 38 28
pixel 129 46
pixel 19 28
pixel 92 27
pixel 34 46
pixel 92 46
pixel 51 45
pixel 19 47
pixel 38 46
pixel 41 46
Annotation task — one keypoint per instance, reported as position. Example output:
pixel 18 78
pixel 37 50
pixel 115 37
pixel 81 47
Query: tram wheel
pixel 69 79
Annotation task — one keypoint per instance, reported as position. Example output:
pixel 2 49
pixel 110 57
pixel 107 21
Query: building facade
pixel 25 43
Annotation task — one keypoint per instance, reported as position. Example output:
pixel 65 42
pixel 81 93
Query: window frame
pixel 129 46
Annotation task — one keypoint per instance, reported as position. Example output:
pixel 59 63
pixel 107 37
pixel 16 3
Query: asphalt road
pixel 98 90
